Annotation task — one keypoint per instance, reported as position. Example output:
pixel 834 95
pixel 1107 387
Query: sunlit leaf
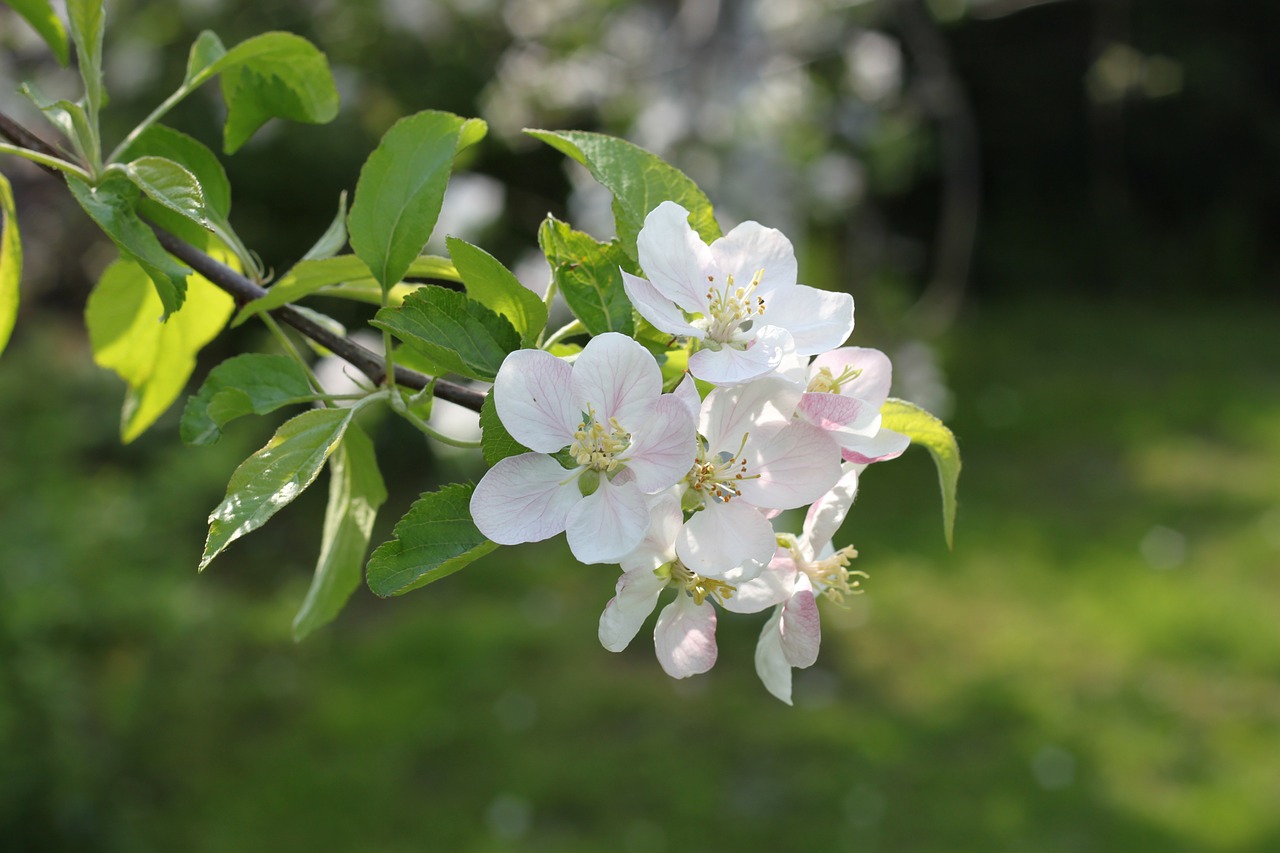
pixel 639 180
pixel 355 493
pixel 169 184
pixel 270 479
pixel 249 384
pixel 494 286
pixel 10 262
pixel 155 358
pixel 457 333
pixel 587 273
pixel 925 429
pixel 194 156
pixel 40 15
pixel 433 540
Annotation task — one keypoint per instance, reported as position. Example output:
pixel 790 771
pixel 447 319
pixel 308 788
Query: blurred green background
pixel 1057 216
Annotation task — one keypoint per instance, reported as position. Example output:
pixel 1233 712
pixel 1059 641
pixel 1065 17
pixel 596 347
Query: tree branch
pixel 245 290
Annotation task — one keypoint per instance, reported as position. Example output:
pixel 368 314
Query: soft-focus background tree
pixel 1054 214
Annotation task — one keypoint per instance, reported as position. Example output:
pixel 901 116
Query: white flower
pixel 804 567
pixel 753 457
pixel 685 636
pixel 844 391
pixel 627 438
pixel 738 297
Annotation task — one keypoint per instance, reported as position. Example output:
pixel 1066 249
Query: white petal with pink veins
pixel 756 409
pixel 818 320
pixel 800 627
pixel 617 376
pixel 636 596
pixel 844 416
pixel 725 536
pixel 687 393
pixel 534 401
pixel 773 586
pixel 674 258
pixel 656 308
pixel 828 512
pixel 604 526
pixel 771 663
pixel 731 365
pixel 796 467
pixel 887 444
pixel 872 384
pixel 525 498
pixel 663 444
pixel 658 545
pixel 750 248
pixel 685 637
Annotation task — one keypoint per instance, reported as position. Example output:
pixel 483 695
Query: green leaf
pixel 638 179
pixel 355 493
pixel 401 188
pixel 494 286
pixel 273 75
pixel 155 358
pixel 271 478
pixel 457 333
pixel 587 273
pixel 345 276
pixel 111 204
pixel 160 141
pixel 86 30
pixel 69 118
pixel 435 538
pixel 923 428
pixel 10 262
pixel 495 442
pixel 169 184
pixel 334 237
pixel 249 384
pixel 40 15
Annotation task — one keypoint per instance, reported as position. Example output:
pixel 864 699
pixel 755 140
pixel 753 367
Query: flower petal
pixel 752 247
pixel 635 597
pixel 730 365
pixel 663 445
pixel 604 526
pixel 687 393
pixel 796 466
pixel 818 320
pixel 534 401
pixel 618 377
pixel 674 257
pixel 801 628
pixel 773 586
pixel 658 309
pixel 887 444
pixel 828 512
pixel 771 662
pixel 872 384
pixel 840 415
pixel 725 536
pixel 525 498
pixel 756 409
pixel 685 637
pixel 659 543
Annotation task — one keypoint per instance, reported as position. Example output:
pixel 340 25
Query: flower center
pixel 717 477
pixel 597 446
pixel 681 577
pixel 824 382
pixel 831 576
pixel 732 308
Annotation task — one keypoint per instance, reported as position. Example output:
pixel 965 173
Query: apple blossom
pixel 738 297
pixel 627 438
pixel 844 391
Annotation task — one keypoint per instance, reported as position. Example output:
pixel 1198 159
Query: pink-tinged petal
pixel 771 662
pixel 658 309
pixel 756 409
pixel 525 498
pixel 750 248
pixel 663 445
pixel 730 365
pixel 871 385
pixel 659 543
pixel 773 586
pixel 818 320
pixel 685 637
pixel 687 392
pixel 796 467
pixel 887 444
pixel 725 536
pixel 674 257
pixel 636 596
pixel 835 413
pixel 618 377
pixel 828 512
pixel 534 400
pixel 801 629
pixel 606 525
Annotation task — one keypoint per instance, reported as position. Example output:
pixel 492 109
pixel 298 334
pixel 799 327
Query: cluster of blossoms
pixel 681 489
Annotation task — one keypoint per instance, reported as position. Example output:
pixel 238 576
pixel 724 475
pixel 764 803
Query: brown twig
pixel 245 290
